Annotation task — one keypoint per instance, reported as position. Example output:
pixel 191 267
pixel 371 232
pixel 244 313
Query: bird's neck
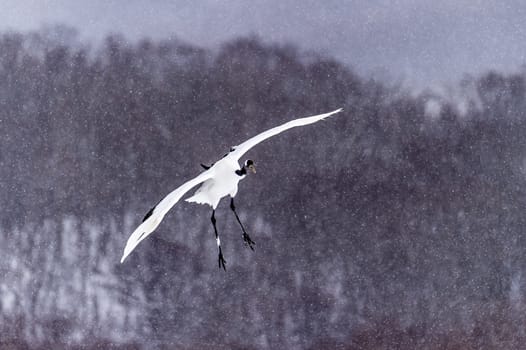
pixel 242 171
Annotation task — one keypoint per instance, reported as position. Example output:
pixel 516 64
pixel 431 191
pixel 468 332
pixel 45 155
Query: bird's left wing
pixel 241 149
pixel 157 213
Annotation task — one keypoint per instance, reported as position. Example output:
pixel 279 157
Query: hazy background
pixel 420 42
pixel 398 224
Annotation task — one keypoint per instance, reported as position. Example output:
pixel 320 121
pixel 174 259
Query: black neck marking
pixel 242 171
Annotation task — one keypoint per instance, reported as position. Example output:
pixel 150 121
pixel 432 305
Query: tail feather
pixel 198 198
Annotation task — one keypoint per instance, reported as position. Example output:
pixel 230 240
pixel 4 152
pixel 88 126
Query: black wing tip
pixel 232 149
pixel 148 214
pixel 206 167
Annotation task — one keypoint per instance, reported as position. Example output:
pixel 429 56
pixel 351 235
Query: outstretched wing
pixel 241 149
pixel 154 217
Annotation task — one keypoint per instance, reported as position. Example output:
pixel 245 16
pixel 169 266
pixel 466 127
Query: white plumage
pixel 220 180
pixel 223 183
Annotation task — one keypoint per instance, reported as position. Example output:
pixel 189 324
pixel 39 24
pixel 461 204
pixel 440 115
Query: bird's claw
pixel 248 242
pixel 222 261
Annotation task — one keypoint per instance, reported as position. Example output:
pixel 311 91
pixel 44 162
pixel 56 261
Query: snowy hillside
pixel 399 224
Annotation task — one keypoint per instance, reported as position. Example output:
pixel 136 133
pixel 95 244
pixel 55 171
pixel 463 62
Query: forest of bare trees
pixel 389 226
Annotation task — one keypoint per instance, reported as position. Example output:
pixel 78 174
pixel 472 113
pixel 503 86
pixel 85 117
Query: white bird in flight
pixel 219 180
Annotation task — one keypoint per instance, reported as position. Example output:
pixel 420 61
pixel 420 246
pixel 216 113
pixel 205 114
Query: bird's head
pixel 250 165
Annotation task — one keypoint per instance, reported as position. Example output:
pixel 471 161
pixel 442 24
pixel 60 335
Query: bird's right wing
pixel 157 213
pixel 241 149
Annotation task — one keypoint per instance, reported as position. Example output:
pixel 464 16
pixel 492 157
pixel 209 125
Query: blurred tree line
pixel 393 225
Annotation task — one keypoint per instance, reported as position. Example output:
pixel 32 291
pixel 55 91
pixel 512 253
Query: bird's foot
pixel 248 242
pixel 222 261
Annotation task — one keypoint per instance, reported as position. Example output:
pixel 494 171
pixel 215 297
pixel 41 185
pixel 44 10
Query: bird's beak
pixel 252 168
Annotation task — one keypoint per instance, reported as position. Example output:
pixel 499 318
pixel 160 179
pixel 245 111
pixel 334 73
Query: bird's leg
pixel 222 261
pixel 248 242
